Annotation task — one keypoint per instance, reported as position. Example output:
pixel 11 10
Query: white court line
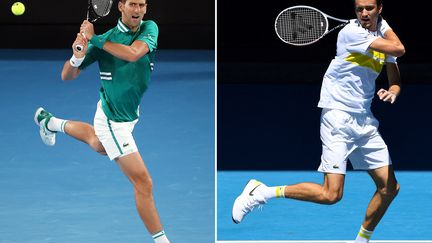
pixel 328 241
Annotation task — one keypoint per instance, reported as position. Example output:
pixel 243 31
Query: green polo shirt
pixel 123 82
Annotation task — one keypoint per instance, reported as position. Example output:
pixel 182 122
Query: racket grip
pixel 80 47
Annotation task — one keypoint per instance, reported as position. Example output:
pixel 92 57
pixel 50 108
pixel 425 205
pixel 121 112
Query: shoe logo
pixel 125 145
pixel 251 192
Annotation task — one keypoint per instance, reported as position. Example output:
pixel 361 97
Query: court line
pixel 329 241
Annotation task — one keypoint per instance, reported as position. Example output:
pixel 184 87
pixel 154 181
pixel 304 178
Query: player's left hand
pixel 87 29
pixel 387 96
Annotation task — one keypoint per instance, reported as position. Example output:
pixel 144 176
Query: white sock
pixel 273 192
pixel 160 237
pixel 363 235
pixel 56 125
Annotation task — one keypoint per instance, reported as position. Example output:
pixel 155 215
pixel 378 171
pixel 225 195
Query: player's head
pixel 132 12
pixel 368 12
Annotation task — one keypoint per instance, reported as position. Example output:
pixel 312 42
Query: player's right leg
pixel 49 125
pixel 257 193
pixel 336 148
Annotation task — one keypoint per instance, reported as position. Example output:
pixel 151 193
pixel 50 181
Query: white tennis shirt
pixel 349 82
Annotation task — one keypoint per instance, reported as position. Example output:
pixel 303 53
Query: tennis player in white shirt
pixel 348 128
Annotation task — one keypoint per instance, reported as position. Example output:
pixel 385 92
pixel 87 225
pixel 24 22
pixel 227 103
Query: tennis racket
pixel 303 25
pixel 96 9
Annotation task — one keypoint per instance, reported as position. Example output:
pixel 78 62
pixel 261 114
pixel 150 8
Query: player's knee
pixel 390 191
pixel 333 198
pixel 143 183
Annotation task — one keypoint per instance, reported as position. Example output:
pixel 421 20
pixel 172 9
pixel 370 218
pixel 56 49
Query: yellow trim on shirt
pixel 374 61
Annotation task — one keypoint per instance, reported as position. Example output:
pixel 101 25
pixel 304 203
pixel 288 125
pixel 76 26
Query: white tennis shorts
pixel 352 136
pixel 116 137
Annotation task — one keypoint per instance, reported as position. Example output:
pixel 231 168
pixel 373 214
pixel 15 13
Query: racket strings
pixel 99 8
pixel 301 25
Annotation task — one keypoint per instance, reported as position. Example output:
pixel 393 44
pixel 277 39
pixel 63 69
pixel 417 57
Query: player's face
pixel 133 12
pixel 368 13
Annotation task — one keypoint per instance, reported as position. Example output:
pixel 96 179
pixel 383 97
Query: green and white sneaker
pixel 42 118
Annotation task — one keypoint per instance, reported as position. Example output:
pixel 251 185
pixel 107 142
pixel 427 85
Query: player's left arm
pixel 128 53
pixel 394 89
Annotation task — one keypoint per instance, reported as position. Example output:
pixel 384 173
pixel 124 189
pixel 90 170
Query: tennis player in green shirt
pixel 125 57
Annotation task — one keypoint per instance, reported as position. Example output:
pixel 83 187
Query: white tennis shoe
pixel 249 199
pixel 42 118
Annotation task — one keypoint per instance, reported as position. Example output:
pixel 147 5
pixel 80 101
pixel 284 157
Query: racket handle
pixel 80 47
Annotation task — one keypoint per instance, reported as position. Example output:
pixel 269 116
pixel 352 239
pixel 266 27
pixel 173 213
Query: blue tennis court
pixel 284 220
pixel 68 193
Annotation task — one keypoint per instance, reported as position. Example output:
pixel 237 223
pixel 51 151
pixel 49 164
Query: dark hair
pixel 123 1
pixel 378 2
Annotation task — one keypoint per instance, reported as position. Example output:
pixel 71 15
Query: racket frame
pixel 326 17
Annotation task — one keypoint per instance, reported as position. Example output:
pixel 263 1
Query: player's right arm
pixel 390 44
pixel 70 71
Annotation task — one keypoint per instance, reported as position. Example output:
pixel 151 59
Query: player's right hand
pixel 387 96
pixel 82 41
pixel 87 29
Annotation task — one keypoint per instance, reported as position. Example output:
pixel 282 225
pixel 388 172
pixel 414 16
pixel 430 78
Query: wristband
pixel 76 62
pixel 391 59
pixel 98 41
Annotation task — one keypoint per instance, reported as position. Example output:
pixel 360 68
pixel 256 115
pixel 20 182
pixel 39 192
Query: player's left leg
pixel 387 189
pixel 374 157
pixel 49 125
pixel 42 118
pixel 134 168
pixel 84 132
